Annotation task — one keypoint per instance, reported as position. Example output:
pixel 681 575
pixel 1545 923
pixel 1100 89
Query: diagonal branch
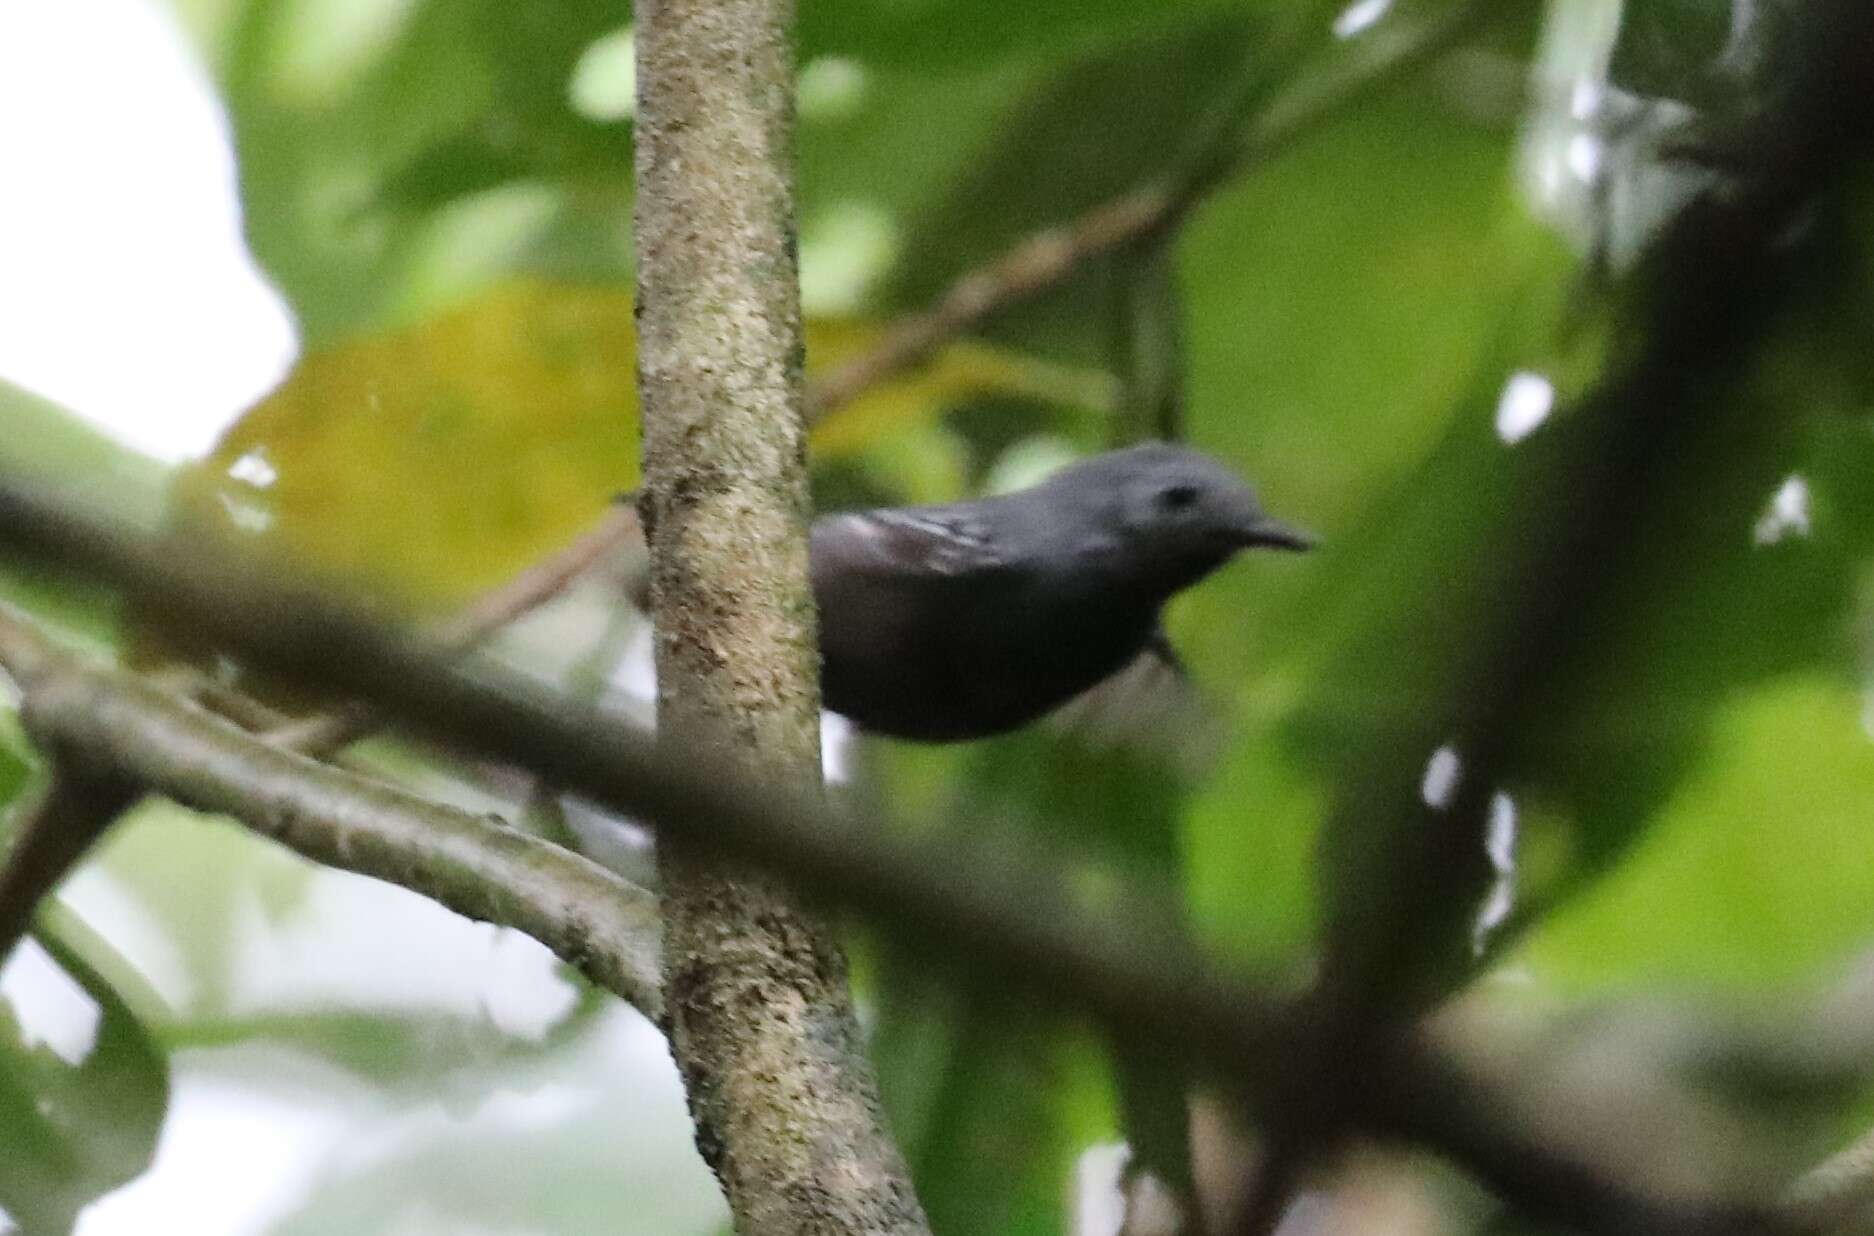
pixel 125 734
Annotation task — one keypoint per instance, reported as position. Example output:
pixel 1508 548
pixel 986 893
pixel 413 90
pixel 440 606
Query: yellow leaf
pixel 432 462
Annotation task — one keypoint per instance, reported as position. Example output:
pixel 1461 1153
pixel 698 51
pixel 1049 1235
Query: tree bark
pixel 785 1103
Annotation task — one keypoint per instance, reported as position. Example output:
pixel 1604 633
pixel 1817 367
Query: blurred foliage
pixel 447 215
pixel 48 443
pixel 562 1142
pixel 78 1123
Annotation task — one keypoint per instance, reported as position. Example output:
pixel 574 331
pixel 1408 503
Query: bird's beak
pixel 1267 533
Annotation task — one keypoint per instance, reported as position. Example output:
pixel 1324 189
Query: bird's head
pixel 1183 509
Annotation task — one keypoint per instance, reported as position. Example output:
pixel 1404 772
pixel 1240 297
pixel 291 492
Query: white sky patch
pixel 427 1217
pixel 1359 17
pixel 253 1129
pixel 1585 97
pixel 234 1158
pixel 1500 833
pixel 1500 846
pixel 591 1076
pixel 50 1007
pixel 1442 773
pixel 126 291
pixel 1099 1204
pixel 360 943
pixel 538 1109
pixel 246 516
pixel 118 914
pixel 1525 404
pixel 243 509
pixel 1550 176
pixel 636 672
pixel 636 676
pixel 1584 154
pixel 1787 515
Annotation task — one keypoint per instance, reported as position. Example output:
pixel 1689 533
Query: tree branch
pixel 51 833
pixel 126 734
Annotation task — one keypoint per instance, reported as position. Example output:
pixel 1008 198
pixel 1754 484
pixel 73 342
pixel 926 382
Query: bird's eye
pixel 1177 498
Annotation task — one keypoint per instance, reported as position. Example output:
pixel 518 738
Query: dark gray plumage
pixel 953 622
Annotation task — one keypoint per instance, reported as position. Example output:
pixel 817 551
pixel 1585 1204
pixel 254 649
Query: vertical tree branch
pixel 785 1103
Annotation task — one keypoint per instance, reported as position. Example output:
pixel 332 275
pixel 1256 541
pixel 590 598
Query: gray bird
pixel 960 621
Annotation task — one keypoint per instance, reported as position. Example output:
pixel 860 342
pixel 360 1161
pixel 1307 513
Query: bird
pixel 958 621
pixel 966 620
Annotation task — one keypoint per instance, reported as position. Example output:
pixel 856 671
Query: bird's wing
pixel 924 543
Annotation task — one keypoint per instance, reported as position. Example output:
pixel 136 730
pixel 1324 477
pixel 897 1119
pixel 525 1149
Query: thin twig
pixel 127 735
pixel 1048 257
pixel 1148 346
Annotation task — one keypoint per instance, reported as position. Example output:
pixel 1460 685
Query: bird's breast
pixel 970 667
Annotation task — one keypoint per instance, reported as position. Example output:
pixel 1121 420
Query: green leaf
pixel 1756 873
pixel 16 765
pixel 75 1130
pixel 949 1063
pixel 377 140
pixel 1334 334
pixel 1084 130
